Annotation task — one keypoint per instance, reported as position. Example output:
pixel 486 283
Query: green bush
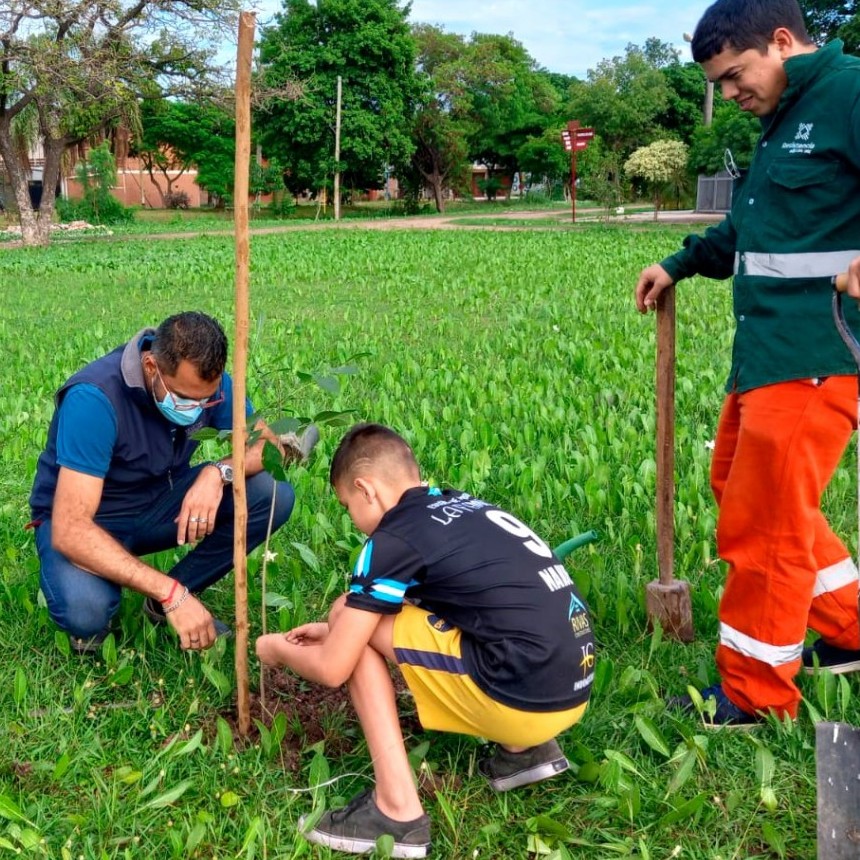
pixel 97 174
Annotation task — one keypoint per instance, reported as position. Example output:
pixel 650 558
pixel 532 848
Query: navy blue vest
pixel 149 452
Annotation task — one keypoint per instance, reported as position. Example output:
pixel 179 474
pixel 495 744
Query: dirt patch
pixel 313 713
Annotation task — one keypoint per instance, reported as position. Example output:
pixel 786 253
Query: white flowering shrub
pixel 659 164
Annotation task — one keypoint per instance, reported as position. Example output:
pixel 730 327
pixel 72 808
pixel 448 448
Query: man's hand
pixel 193 622
pixel 200 507
pixel 652 281
pixel 853 288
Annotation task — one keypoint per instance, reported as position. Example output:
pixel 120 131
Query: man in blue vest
pixel 115 482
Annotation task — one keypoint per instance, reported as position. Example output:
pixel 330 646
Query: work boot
pixel 726 716
pixel 297 449
pixel 506 770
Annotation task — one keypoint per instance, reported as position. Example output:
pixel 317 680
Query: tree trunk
pixel 438 192
pixel 34 231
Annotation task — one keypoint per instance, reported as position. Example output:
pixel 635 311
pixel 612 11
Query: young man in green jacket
pixel 791 396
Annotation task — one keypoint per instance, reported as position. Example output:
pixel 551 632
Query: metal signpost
pixel 575 138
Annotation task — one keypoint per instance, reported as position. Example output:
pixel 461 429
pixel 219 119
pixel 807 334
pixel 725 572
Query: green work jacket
pixel 794 223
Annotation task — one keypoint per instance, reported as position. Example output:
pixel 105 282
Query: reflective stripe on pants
pixel 776 450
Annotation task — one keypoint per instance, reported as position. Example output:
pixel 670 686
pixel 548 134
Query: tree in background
pixel 544 160
pixel 485 99
pixel 659 165
pixel 624 99
pixel 367 43
pixel 509 100
pixel 176 136
pixel 732 129
pixel 833 19
pixel 78 66
pixel 442 126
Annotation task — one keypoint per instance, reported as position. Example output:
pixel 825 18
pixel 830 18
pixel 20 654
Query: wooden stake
pixel 667 600
pixel 247 22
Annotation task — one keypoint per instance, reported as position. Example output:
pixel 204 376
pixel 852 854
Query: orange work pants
pixel 775 452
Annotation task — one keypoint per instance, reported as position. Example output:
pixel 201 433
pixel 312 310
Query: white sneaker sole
pixel 360 846
pixel 529 775
pixel 841 669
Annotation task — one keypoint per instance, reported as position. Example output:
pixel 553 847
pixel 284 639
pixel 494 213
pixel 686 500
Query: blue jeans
pixel 83 604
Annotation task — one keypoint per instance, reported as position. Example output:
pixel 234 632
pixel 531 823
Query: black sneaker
pixel 506 770
pixel 726 716
pixel 153 610
pixel 297 449
pixel 355 829
pixel 89 644
pixel 837 660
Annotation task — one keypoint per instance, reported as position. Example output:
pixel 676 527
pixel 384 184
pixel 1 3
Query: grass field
pixel 516 365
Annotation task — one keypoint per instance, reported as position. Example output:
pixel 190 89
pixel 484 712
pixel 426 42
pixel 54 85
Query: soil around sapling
pixel 314 713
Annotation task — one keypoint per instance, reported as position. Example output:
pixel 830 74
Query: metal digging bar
pixel 667 600
pixel 837 745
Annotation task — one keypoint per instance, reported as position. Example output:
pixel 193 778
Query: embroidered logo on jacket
pixel 804 129
pixel 801 144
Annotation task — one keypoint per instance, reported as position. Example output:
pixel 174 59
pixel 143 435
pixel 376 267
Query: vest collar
pixel 132 369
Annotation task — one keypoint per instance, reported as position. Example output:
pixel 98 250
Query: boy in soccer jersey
pixel 481 618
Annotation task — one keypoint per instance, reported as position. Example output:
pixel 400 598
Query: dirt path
pixel 422 222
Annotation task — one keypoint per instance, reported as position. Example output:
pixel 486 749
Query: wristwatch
pixel 226 471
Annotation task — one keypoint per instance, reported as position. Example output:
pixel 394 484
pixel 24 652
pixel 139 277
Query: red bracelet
pixel 170 596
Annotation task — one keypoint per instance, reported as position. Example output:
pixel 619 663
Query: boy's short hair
pixel 371 447
pixel 745 24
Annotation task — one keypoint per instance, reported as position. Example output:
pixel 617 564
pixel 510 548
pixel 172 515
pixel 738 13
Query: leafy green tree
pixel 833 19
pixel 686 97
pixel 366 42
pixel 623 98
pixel 441 126
pixel 660 164
pixel 486 99
pixel 178 135
pixel 545 160
pixel 78 67
pixel 509 100
pixel 732 129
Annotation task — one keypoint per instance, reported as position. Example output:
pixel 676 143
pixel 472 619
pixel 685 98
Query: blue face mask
pixel 182 417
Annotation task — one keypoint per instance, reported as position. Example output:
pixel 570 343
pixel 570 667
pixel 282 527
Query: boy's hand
pixel 274 648
pixel 308 634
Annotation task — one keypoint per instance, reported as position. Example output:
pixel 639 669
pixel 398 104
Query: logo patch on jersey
pixel 439 624
pixel 587 666
pixel 578 617
pixel 804 129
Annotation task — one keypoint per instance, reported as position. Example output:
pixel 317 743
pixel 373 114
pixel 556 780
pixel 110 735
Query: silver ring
pixel 202 520
pixel 193 519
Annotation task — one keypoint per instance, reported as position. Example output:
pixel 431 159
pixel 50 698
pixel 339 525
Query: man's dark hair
pixel 745 24
pixel 193 337
pixel 370 446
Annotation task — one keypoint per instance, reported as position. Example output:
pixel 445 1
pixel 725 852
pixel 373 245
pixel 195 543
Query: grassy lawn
pixel 516 365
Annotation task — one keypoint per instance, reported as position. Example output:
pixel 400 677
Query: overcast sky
pixel 569 36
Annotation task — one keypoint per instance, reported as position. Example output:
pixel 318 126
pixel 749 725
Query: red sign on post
pixel 574 139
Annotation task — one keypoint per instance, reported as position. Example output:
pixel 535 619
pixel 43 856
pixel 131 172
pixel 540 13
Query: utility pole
pixel 337 153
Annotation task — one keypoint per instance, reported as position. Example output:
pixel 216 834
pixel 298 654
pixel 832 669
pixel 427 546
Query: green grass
pixel 516 365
